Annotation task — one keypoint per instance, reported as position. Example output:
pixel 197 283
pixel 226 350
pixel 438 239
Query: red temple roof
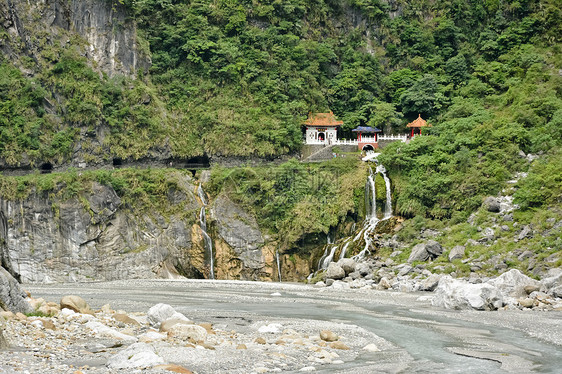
pixel 322 120
pixel 418 122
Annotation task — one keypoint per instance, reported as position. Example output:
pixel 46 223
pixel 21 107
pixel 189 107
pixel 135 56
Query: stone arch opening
pixel 368 147
pixel 321 136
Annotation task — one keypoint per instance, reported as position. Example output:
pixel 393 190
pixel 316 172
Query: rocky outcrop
pixel 96 237
pixel 12 297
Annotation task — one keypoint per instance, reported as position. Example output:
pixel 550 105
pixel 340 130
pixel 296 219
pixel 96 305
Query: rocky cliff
pixel 109 37
pixel 95 235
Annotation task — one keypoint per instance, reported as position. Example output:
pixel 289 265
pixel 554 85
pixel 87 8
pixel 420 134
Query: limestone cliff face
pixel 92 238
pixel 96 236
pixel 110 35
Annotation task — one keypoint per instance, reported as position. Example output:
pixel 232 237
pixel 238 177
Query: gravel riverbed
pixel 253 327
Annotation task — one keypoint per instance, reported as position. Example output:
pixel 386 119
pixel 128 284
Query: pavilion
pixel 416 126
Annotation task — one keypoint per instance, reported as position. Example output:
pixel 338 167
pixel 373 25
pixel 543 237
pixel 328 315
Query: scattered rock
pixel 166 325
pixel 260 340
pixel 138 355
pixel 347 264
pixel 526 232
pixel 527 302
pixel 328 336
pixel 188 332
pixel 371 348
pixel 161 312
pixel 334 271
pixel 457 253
pixel 272 328
pixel 241 346
pixel 419 253
pixel 120 317
pixel 339 345
pixel 430 283
pixel 76 304
pixel 491 204
pixel 174 368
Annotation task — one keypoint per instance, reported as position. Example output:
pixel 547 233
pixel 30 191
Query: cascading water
pixel 344 249
pixel 206 238
pixel 321 262
pixel 328 258
pixel 278 265
pixel 372 220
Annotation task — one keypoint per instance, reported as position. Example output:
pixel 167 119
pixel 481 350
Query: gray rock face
pixel 240 231
pixel 49 240
pixel 12 297
pixel 334 271
pixel 108 29
pixel 430 283
pixel 456 253
pixel 456 294
pixel 492 204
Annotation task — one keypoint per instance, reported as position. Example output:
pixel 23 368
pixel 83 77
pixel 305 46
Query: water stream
pixel 206 238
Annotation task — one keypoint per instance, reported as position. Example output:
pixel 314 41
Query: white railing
pixel 364 139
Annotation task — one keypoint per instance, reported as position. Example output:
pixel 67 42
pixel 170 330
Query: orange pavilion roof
pixel 322 120
pixel 418 122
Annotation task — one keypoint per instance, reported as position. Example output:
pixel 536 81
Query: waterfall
pixel 344 249
pixel 388 206
pixel 201 195
pixel 328 258
pixel 278 265
pixel 371 219
pixel 206 237
pixel 321 262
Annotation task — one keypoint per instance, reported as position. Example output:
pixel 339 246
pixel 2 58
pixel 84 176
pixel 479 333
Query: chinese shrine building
pixel 321 128
pixel 416 126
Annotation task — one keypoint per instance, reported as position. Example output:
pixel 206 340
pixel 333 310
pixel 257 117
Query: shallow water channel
pixel 425 339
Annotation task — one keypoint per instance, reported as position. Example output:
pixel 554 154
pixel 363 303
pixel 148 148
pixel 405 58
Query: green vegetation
pixel 143 191
pixel 294 199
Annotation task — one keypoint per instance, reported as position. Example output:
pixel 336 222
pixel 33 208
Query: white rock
pixel 100 329
pixel 138 355
pixel 455 294
pixel 185 332
pixel 272 328
pixel 65 313
pixel 512 283
pixel 37 324
pixel 161 312
pixel 152 336
pixel 276 294
pixel 371 348
pixel 308 368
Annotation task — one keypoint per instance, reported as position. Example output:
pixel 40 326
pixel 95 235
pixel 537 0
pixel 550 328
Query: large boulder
pixel 347 264
pixel 552 282
pixel 334 271
pixel 491 204
pixel 433 248
pixel 3 341
pixel 12 297
pixel 138 355
pixel 457 253
pixel 419 253
pixel 512 283
pixel 75 303
pixel 456 294
pixel 162 312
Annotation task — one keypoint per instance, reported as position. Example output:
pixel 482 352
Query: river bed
pixel 416 336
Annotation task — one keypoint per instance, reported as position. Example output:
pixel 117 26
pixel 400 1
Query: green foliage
pixel 543 185
pixel 294 199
